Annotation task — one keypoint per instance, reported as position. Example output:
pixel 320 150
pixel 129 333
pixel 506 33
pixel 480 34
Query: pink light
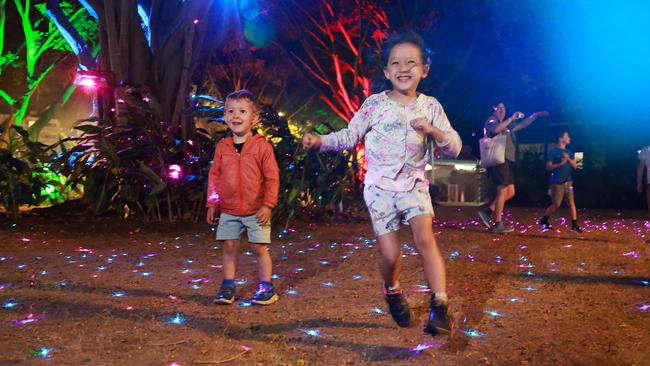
pixel 175 172
pixel 196 21
pixel 87 82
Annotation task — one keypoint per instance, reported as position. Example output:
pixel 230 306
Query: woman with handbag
pixel 502 175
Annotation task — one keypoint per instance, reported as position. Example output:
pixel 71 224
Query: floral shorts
pixel 388 209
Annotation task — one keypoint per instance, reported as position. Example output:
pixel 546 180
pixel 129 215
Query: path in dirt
pixel 105 292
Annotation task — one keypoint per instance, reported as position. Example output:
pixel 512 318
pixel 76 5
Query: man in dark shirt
pixel 561 164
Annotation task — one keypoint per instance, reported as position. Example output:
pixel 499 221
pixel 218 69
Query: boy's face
pixel 405 68
pixel 565 139
pixel 240 116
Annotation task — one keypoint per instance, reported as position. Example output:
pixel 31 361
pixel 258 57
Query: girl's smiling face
pixel 405 68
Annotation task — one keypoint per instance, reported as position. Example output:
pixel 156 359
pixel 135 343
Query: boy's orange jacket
pixel 241 184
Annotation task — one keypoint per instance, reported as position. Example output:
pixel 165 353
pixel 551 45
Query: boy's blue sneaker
pixel 225 296
pixel 265 295
pixel 440 322
pixel 399 308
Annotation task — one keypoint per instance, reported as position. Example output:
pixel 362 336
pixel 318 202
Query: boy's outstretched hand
pixel 310 142
pixel 263 215
pixel 212 215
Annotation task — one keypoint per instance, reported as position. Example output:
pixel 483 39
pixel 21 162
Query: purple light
pixel 644 307
pixel 175 172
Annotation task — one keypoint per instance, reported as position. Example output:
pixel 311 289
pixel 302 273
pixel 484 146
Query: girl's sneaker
pixel 440 322
pixel 265 295
pixel 399 308
pixel 225 296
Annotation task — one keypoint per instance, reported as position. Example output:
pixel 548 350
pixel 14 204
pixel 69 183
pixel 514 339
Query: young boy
pixel 243 185
pixel 561 164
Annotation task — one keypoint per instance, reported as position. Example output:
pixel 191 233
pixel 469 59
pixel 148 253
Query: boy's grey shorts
pixel 231 227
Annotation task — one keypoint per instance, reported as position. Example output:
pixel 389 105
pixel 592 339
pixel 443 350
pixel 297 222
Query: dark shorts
pixel 502 175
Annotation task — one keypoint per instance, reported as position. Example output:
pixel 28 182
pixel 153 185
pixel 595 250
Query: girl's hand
pixel 311 142
pixel 263 215
pixel 422 125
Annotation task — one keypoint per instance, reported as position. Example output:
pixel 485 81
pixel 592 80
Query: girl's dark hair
pixel 560 134
pixel 409 37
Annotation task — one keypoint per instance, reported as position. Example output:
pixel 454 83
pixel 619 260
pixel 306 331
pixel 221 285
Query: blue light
pixel 357 277
pixel 10 304
pixel 275 276
pixel 493 313
pixel 600 50
pixel 118 294
pixel 455 254
pixel 144 17
pixel 42 352
pixel 473 333
pixel 178 319
pixel 378 310
pixel 292 291
pixel 101 268
pixel 145 274
pixel 328 284
pixel 312 332
pixel 245 303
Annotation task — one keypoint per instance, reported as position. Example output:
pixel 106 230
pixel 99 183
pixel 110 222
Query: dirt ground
pixel 107 292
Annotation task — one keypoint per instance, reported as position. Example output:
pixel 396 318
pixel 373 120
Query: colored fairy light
pixel 245 303
pixel 118 294
pixel 311 332
pixel 42 352
pixel 241 281
pixel 644 307
pixel 631 254
pixel 275 276
pixel 455 254
pixel 324 262
pixel 10 304
pixel 30 318
pixel 474 333
pixel 140 264
pixel 177 319
pixel 101 268
pixel 493 313
pixel 357 277
pixel 328 284
pixel 186 271
pixel 421 347
pixel 292 291
pixel 174 171
pixel 378 310
pixel 514 299
pixel 528 288
pixel 145 274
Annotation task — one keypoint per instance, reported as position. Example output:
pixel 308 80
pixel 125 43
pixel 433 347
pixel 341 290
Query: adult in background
pixel 644 162
pixel 502 175
pixel 561 163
